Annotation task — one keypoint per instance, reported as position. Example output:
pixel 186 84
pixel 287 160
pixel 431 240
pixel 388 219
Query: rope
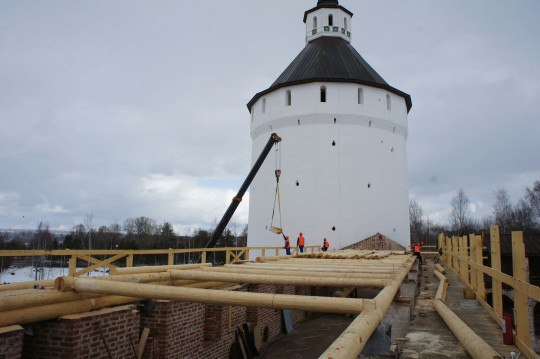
pixel 276 195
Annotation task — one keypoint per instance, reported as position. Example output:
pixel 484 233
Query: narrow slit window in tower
pixel 298 122
pixel 330 20
pixel 360 96
pixel 314 22
pixel 388 103
pixel 263 105
pixel 345 23
pixel 289 98
pixel 335 121
pixel 369 123
pixel 297 183
pixel 323 93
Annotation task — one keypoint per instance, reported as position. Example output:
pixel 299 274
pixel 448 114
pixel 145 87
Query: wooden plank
pixel 142 342
pixel 449 252
pixel 72 265
pixel 466 259
pixel 495 240
pixel 455 248
pixel 462 260
pixel 105 263
pixel 529 353
pixel 472 254
pixel 520 298
pixel 170 257
pixel 481 287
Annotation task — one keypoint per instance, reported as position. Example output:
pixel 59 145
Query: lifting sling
pixel 277 230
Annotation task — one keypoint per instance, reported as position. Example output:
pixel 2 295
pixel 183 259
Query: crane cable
pixel 277 230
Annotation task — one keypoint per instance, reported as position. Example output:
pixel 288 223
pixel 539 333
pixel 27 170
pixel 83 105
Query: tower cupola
pixel 329 19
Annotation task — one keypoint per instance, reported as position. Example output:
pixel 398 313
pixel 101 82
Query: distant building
pixel 343 156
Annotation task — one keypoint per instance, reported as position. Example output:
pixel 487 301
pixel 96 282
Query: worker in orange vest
pixel 416 251
pixel 287 244
pixel 325 245
pixel 300 242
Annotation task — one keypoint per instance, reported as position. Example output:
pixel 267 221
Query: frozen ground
pixel 24 274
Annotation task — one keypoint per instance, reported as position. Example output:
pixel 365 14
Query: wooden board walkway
pixel 430 338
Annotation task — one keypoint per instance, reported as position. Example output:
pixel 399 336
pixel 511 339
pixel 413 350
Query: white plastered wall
pixel 332 190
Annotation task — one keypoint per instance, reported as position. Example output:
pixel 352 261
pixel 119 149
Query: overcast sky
pixel 118 109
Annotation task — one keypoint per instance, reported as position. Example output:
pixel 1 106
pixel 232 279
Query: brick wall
pixel 268 321
pixel 191 330
pixel 377 242
pixel 176 329
pixel 79 336
pixel 11 342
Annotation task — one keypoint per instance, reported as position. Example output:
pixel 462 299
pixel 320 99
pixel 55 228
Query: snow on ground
pixel 24 274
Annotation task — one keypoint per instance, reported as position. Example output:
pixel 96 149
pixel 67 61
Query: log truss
pixel 203 283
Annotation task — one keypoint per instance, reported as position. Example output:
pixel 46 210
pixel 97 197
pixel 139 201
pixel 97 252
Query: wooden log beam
pixel 47 283
pixel 351 342
pixel 52 311
pixel 155 269
pixel 474 344
pixel 324 266
pixel 311 268
pixel 221 297
pixel 277 279
pixel 440 268
pixel 306 274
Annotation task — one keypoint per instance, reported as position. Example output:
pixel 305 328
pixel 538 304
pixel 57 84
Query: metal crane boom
pixel 274 138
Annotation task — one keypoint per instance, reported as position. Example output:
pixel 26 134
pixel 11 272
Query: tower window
pixel 388 104
pixel 288 98
pixel 330 20
pixel 360 96
pixel 315 22
pixel 323 93
pixel 345 23
pixel 264 105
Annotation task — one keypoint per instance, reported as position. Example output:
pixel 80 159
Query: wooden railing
pixel 464 255
pixel 232 255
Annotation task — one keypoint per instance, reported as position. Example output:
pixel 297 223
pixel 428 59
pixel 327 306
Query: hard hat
pixel 300 233
pixel 287 237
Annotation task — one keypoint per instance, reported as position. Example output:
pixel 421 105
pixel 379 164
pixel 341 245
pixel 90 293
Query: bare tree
pixel 523 217
pixel 415 221
pixel 88 226
pixel 533 198
pixel 143 228
pixel 502 210
pixel 460 217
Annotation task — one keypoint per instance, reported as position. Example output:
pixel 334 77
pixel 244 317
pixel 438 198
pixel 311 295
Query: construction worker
pixel 287 244
pixel 300 242
pixel 325 245
pixel 416 251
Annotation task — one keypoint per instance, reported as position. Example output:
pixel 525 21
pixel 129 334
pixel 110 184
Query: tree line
pixel 135 233
pixel 521 216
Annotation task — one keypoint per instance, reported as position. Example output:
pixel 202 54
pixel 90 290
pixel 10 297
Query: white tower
pixel 344 143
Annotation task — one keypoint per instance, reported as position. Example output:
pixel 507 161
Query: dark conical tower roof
pixel 327 2
pixel 329 59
